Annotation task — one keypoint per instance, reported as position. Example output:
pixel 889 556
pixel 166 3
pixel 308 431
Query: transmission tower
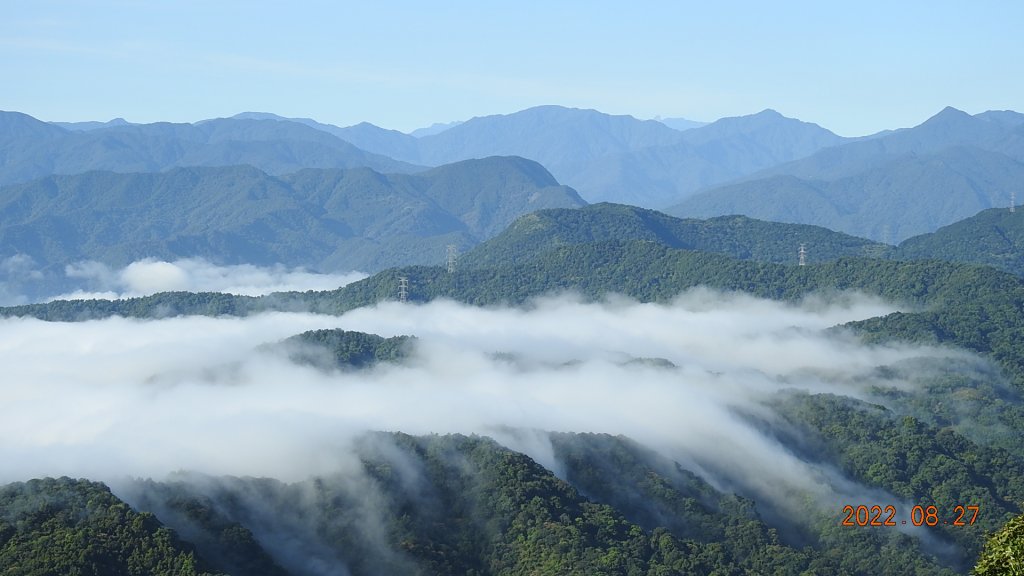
pixel 803 255
pixel 453 254
pixel 1013 201
pixel 403 289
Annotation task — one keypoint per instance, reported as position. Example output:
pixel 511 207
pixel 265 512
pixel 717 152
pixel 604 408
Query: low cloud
pixel 150 276
pixel 116 397
pixel 18 273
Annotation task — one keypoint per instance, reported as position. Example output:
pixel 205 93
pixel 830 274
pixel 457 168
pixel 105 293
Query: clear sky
pixel 854 67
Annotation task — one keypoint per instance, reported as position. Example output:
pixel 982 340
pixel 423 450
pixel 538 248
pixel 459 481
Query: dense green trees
pixel 992 237
pixel 345 349
pixel 65 526
pixel 1004 551
pixel 533 235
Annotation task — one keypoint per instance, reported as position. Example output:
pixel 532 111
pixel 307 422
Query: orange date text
pixel 864 515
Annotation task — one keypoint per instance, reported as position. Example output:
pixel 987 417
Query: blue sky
pixel 853 67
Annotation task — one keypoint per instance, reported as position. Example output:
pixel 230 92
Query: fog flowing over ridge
pixel 108 398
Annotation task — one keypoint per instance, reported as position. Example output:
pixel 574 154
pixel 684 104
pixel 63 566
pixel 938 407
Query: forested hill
pixel 65 526
pixel 994 237
pixel 478 508
pixel 355 219
pixel 343 349
pixel 530 236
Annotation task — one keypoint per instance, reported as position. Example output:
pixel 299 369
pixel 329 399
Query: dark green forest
pixel 65 526
pixel 344 349
pixel 478 508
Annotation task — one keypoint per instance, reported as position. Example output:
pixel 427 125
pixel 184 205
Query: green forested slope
pixel 65 526
pixel 532 235
pixel 465 505
pixel 354 219
pixel 993 237
pixel 239 214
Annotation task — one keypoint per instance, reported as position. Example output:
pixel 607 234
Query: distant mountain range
pixel 681 124
pixel 86 126
pixel 32 149
pixel 890 187
pixel 326 219
pixel 887 187
pixel 611 158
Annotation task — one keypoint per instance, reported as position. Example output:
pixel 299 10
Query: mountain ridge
pixel 909 182
pixel 323 219
pixel 34 149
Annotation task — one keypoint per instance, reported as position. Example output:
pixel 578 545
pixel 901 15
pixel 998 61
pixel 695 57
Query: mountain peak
pixel 17 124
pixel 257 116
pixel 949 114
pixel 767 121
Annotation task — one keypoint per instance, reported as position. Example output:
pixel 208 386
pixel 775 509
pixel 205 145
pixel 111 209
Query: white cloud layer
pixel 106 398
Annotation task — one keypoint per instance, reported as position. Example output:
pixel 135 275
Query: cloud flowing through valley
pixel 107 398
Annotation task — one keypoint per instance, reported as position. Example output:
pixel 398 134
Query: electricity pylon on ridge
pixel 403 289
pixel 453 255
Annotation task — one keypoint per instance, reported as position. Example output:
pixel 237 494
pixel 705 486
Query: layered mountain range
pixel 887 187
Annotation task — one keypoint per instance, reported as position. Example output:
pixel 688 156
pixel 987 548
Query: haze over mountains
pixel 611 158
pixel 31 149
pixel 890 187
pixel 763 165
